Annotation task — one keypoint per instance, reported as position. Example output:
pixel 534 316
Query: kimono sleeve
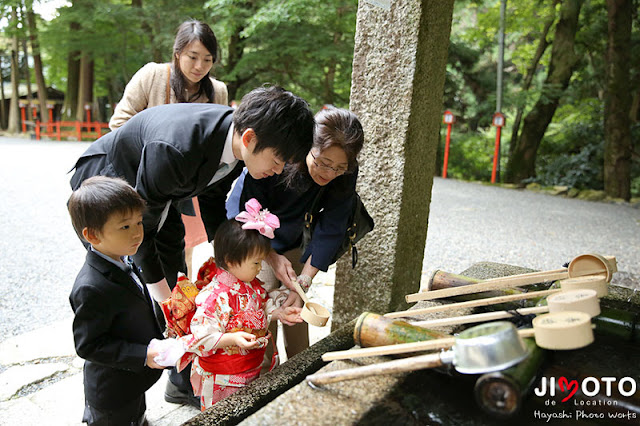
pixel 208 323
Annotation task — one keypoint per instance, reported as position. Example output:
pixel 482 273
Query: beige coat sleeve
pixel 140 93
pixel 220 93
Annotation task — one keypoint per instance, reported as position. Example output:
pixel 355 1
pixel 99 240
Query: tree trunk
pixel 14 113
pixel 617 124
pixel 27 76
pixel 521 164
pixel 236 50
pixel 3 112
pixel 37 63
pixel 147 29
pixel 73 79
pixel 531 72
pixel 85 87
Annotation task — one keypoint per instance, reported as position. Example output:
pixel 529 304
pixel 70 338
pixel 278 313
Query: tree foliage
pixel 303 45
pixel 571 149
pixel 307 47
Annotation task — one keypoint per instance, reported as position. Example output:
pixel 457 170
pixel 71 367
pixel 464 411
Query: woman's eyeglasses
pixel 339 171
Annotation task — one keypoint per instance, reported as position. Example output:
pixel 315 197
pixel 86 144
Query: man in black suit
pixel 114 319
pixel 171 153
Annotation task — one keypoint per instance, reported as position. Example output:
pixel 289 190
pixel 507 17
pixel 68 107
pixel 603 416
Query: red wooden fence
pixel 75 129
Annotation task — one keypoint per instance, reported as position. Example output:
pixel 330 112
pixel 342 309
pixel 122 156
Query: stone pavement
pixel 45 359
pixel 41 375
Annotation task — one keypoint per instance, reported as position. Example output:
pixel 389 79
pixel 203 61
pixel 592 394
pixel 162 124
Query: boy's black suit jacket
pixel 168 153
pixel 113 325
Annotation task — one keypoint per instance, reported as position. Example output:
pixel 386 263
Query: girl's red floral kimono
pixel 225 305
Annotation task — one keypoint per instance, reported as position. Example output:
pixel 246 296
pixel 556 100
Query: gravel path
pixel 469 223
pixel 40 253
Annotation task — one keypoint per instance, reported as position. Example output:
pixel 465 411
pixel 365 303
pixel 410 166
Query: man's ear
pixel 247 137
pixel 91 236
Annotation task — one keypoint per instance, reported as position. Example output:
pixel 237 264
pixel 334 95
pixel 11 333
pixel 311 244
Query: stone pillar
pixel 397 87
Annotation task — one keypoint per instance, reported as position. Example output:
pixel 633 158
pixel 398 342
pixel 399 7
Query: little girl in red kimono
pixel 229 330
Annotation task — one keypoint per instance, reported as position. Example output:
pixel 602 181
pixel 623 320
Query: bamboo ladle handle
pixel 488 285
pixel 583 265
pixel 472 303
pixel 390 367
pixel 580 300
pixel 488 316
pixel 400 348
pixel 304 297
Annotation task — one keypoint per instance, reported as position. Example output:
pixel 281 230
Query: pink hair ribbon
pixel 260 220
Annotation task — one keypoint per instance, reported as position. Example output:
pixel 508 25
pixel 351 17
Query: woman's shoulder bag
pixel 360 223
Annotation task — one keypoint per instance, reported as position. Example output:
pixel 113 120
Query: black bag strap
pixel 313 210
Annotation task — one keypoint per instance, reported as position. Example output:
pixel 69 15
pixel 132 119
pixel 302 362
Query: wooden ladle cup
pixel 312 313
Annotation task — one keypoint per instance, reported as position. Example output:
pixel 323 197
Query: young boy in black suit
pixel 114 317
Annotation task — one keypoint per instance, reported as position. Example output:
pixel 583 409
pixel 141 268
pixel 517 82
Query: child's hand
pixel 244 340
pixel 288 315
pixel 166 352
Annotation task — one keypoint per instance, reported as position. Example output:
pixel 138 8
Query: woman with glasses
pixel 332 164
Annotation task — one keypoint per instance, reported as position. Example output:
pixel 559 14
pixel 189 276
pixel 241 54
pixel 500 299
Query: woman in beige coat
pixel 186 79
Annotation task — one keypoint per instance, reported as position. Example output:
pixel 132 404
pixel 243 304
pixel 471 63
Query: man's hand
pixel 294 300
pixel 282 269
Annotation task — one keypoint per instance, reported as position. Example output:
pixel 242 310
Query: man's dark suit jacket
pixel 113 325
pixel 168 153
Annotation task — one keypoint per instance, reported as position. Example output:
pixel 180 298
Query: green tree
pixel 617 122
pixel 521 164
pixel 14 119
pixel 37 60
pixel 303 45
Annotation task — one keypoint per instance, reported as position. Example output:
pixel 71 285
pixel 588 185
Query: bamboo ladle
pixel 558 330
pixel 312 313
pixel 585 264
pixel 585 300
pixel 481 349
pixel 594 282
pixel 484 348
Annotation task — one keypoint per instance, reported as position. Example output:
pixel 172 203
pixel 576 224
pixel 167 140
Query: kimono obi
pixel 232 364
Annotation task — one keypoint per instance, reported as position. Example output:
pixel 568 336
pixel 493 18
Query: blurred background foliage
pixel 307 47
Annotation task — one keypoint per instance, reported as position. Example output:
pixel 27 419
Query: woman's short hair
pixel 99 197
pixel 334 127
pixel 188 32
pixel 341 128
pixel 232 245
